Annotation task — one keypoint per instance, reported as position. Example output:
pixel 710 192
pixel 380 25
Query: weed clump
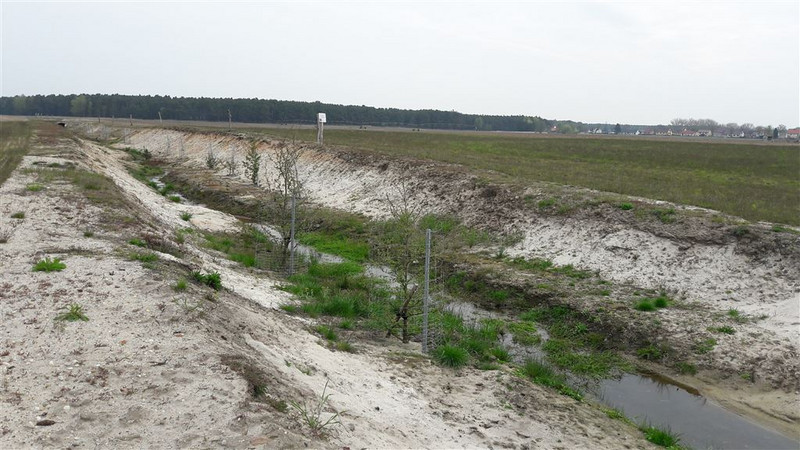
pixel 73 313
pixel 212 280
pixel 49 265
pixel 186 216
pixel 18 215
pixel 625 206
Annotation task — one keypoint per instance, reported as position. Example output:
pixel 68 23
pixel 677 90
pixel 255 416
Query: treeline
pixel 265 111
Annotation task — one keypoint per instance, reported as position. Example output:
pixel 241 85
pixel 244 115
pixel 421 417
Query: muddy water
pixel 700 423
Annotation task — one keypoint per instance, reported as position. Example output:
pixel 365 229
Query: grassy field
pixel 14 141
pixel 754 181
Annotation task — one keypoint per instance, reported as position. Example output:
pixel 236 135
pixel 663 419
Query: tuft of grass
pixel 88 234
pixel 705 346
pixel 74 312
pixel 451 356
pixel 49 265
pixel 327 332
pixel 180 285
pixel 144 257
pixel 18 215
pixel 740 230
pixel 212 279
pixel 685 368
pixel 725 329
pixel 524 333
pixel 650 353
pixel 645 305
pixel 625 206
pixel 500 354
pixel 345 346
pixel 174 198
pixel 546 203
pixel 186 216
pixel 34 187
pixel 137 242
pixel 661 437
pixel 665 215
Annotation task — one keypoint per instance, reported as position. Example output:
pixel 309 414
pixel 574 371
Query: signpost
pixel 321 119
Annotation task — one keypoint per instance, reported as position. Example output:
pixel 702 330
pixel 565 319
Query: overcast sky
pixel 639 63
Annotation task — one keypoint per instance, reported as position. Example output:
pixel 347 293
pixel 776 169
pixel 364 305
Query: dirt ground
pixel 154 367
pixel 698 260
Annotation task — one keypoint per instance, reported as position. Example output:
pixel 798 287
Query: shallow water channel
pixel 700 423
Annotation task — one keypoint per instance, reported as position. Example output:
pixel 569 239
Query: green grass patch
pixel 665 215
pixel 625 206
pixel 451 356
pixel 541 373
pixel 34 187
pixel 143 257
pixel 524 333
pixel 186 216
pixel 18 215
pixel 49 265
pixel 174 198
pixel 74 312
pixel 336 244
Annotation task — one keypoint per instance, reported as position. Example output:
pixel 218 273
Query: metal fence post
pixel 291 238
pixel 426 290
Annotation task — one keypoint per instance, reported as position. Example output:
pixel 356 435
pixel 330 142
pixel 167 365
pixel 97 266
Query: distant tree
pixel 617 129
pixel 774 133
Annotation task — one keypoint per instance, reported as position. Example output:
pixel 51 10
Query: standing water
pixel 698 422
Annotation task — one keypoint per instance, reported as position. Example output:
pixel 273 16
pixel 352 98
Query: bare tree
pixel 399 244
pixel 282 179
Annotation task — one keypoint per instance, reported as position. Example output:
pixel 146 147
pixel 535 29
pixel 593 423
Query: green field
pixel 750 180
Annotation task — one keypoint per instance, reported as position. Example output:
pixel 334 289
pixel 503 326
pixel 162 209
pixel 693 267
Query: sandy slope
pixel 147 370
pixel 714 276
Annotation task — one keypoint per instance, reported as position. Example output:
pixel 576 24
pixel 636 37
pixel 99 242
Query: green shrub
pixel 451 356
pixel 49 265
pixel 186 216
pixel 18 215
pixel 626 206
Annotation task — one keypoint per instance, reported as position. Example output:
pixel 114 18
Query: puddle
pixel 699 422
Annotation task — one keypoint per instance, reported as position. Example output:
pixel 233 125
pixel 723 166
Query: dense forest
pixel 255 110
pixel 263 111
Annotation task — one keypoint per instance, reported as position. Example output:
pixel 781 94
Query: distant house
pixel 686 132
pixel 704 133
pixel 794 133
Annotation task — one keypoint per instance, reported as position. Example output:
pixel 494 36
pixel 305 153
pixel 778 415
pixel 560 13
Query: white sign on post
pixel 321 118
